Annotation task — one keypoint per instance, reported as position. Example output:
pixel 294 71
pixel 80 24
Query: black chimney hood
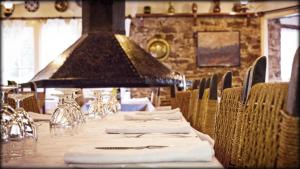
pixel 101 58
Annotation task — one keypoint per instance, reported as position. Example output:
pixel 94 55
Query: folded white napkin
pixel 158 112
pixel 163 108
pixel 183 128
pixel 200 151
pixel 155 116
pixel 143 100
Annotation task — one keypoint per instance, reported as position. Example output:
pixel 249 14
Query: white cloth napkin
pixel 143 100
pixel 163 108
pixel 158 112
pixel 199 151
pixel 155 116
pixel 182 128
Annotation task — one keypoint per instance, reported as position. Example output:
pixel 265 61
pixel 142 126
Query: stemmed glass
pixel 80 114
pixel 97 106
pixel 68 115
pixel 104 103
pixel 7 113
pixel 70 102
pixel 21 131
pixel 61 117
pixel 22 117
pixel 113 105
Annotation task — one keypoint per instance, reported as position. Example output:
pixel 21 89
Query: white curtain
pixel 17 51
pixel 289 45
pixel 56 36
pixel 21 39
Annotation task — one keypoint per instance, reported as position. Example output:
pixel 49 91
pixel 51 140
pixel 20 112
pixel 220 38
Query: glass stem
pixel 2 98
pixel 18 103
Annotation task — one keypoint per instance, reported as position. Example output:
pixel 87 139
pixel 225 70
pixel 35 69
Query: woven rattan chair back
pixel 226 81
pixel 258 142
pixel 200 96
pixel 289 152
pixel 183 99
pixel 225 124
pixel 193 104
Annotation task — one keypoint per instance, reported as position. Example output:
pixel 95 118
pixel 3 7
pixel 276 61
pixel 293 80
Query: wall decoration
pixel 32 6
pixel 219 48
pixel 216 8
pixel 158 47
pixel 171 9
pixel 147 10
pixel 194 8
pixel 61 5
pixel 9 8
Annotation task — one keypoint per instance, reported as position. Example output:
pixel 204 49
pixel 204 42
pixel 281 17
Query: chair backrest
pixel 258 71
pixel 196 84
pixel 183 99
pixel 246 85
pixel 173 96
pixel 289 136
pixel 207 110
pixel 195 117
pixel 225 124
pixel 258 145
pixel 293 99
pixel 213 88
pixel 29 104
pixel 193 104
pixel 207 83
pixel 202 87
pixel 226 81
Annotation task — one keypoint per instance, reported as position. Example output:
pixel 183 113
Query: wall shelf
pixel 153 15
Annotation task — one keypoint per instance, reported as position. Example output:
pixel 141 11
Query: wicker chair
pixel 183 99
pixel 195 116
pixel 258 142
pixel 289 152
pixel 225 124
pixel 193 104
pixel 208 108
pixel 35 103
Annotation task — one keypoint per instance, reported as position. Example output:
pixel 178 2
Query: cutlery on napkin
pixel 126 148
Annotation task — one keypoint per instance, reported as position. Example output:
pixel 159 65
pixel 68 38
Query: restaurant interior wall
pixel 179 33
pixel 133 7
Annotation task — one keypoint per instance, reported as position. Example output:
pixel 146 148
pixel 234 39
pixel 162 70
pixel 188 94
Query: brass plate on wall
pixel 158 48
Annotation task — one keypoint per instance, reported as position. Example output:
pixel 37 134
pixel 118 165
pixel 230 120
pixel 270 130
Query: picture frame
pixel 218 48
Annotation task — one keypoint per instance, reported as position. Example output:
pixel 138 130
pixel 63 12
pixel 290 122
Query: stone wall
pixel 179 32
pixel 274 29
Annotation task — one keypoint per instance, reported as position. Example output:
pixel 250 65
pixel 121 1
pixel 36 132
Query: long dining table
pixel 50 149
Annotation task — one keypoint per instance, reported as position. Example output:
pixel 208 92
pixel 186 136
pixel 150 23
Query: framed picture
pixel 218 48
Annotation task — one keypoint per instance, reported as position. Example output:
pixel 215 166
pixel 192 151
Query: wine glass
pixel 7 113
pixel 95 105
pixel 113 103
pixel 81 117
pixel 22 132
pixel 21 117
pixel 61 117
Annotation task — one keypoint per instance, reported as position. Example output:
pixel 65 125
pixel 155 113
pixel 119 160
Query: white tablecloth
pixel 52 145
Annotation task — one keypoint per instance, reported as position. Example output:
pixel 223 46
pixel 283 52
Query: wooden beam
pixel 153 15
pixel 290 26
pixel 39 18
pixel 280 9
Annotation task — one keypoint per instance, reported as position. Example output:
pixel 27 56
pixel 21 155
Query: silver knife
pixel 133 147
